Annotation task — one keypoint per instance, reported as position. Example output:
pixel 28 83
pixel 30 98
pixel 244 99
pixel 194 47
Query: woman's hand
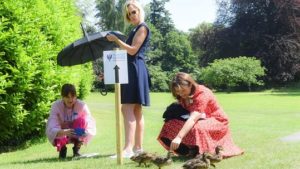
pixel 65 125
pixel 111 37
pixel 175 143
pixel 69 132
pixel 65 132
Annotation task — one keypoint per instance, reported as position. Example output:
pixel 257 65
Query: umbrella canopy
pixel 87 49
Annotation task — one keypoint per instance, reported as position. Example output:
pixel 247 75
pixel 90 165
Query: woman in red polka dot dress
pixel 206 125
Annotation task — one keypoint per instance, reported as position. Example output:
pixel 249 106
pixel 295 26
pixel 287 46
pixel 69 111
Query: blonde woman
pixel 135 94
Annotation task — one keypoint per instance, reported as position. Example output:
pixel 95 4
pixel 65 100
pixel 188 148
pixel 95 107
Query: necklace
pixel 190 100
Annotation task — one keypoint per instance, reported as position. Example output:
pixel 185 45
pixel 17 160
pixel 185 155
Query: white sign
pixel 115 63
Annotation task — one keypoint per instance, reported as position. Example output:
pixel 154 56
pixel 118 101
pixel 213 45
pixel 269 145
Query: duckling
pixel 199 162
pixel 200 165
pixel 190 162
pixel 143 157
pixel 163 161
pixel 217 157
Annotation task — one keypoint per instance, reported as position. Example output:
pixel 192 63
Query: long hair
pixel 182 79
pixel 137 5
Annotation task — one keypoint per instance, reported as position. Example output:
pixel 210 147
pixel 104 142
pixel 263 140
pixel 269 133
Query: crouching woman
pixel 206 125
pixel 70 121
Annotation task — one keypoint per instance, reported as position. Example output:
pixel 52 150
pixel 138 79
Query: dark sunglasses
pixel 132 13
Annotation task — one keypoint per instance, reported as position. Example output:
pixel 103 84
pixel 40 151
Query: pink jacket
pixel 57 113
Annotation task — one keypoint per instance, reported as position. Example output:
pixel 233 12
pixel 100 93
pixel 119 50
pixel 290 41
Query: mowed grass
pixel 257 122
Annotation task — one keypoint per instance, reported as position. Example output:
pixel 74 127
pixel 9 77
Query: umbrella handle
pixel 83 30
pixel 103 91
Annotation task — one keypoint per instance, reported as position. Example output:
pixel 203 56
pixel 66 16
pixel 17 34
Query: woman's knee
pixel 127 108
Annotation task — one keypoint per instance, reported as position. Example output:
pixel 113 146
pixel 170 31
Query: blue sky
pixel 188 14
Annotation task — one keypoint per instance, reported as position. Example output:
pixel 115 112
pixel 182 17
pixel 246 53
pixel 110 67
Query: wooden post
pixel 118 123
pixel 118 116
pixel 115 62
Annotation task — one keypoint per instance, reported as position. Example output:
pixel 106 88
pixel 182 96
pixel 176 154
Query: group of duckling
pixel 146 158
pixel 201 161
pixel 205 160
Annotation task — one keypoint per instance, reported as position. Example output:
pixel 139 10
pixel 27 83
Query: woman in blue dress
pixel 135 94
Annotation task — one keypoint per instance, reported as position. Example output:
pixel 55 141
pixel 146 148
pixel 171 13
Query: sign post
pixel 116 72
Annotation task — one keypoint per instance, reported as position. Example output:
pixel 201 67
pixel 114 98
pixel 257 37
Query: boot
pixel 76 148
pixel 63 152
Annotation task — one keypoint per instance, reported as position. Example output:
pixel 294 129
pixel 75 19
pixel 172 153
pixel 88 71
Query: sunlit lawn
pixel 258 121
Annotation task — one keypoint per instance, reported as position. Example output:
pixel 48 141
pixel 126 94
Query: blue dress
pixel 138 87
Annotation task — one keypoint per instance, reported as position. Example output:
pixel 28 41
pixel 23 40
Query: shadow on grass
pixel 290 94
pixel 284 92
pixel 291 90
pixel 56 159
pixel 181 158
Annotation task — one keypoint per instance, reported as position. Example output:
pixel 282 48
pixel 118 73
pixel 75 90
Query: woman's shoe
pixel 63 152
pixel 137 151
pixel 76 152
pixel 125 154
pixel 76 148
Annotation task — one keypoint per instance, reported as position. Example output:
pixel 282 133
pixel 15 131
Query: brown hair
pixel 182 79
pixel 66 89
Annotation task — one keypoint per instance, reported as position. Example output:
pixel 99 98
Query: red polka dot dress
pixel 208 133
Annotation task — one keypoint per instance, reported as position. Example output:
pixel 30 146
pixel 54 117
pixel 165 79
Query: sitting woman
pixel 70 121
pixel 205 126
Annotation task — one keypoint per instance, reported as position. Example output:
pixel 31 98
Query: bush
pixel 159 79
pixel 32 34
pixel 233 72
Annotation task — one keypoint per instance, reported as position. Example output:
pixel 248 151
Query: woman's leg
pixel 77 146
pixel 139 132
pixel 130 126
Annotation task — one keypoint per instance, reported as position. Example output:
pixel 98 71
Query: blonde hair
pixel 138 6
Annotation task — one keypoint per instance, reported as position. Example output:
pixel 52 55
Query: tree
pixel 177 53
pixel 110 14
pixel 199 37
pixel 257 28
pixel 155 48
pixel 160 17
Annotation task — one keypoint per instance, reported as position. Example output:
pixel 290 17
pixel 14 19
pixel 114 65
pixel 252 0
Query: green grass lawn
pixel 257 121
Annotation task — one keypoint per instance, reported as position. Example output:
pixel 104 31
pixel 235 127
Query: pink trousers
pixel 62 141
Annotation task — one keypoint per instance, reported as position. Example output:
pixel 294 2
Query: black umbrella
pixel 88 48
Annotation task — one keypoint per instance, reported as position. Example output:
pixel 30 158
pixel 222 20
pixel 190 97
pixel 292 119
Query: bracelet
pixel 179 136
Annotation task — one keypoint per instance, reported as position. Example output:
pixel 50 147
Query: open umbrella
pixel 88 48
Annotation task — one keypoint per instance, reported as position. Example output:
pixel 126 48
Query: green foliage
pixel 155 48
pixel 168 56
pixel 32 33
pixel 177 53
pixel 85 83
pixel 111 14
pixel 233 72
pixel 199 38
pixel 266 29
pixel 159 79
